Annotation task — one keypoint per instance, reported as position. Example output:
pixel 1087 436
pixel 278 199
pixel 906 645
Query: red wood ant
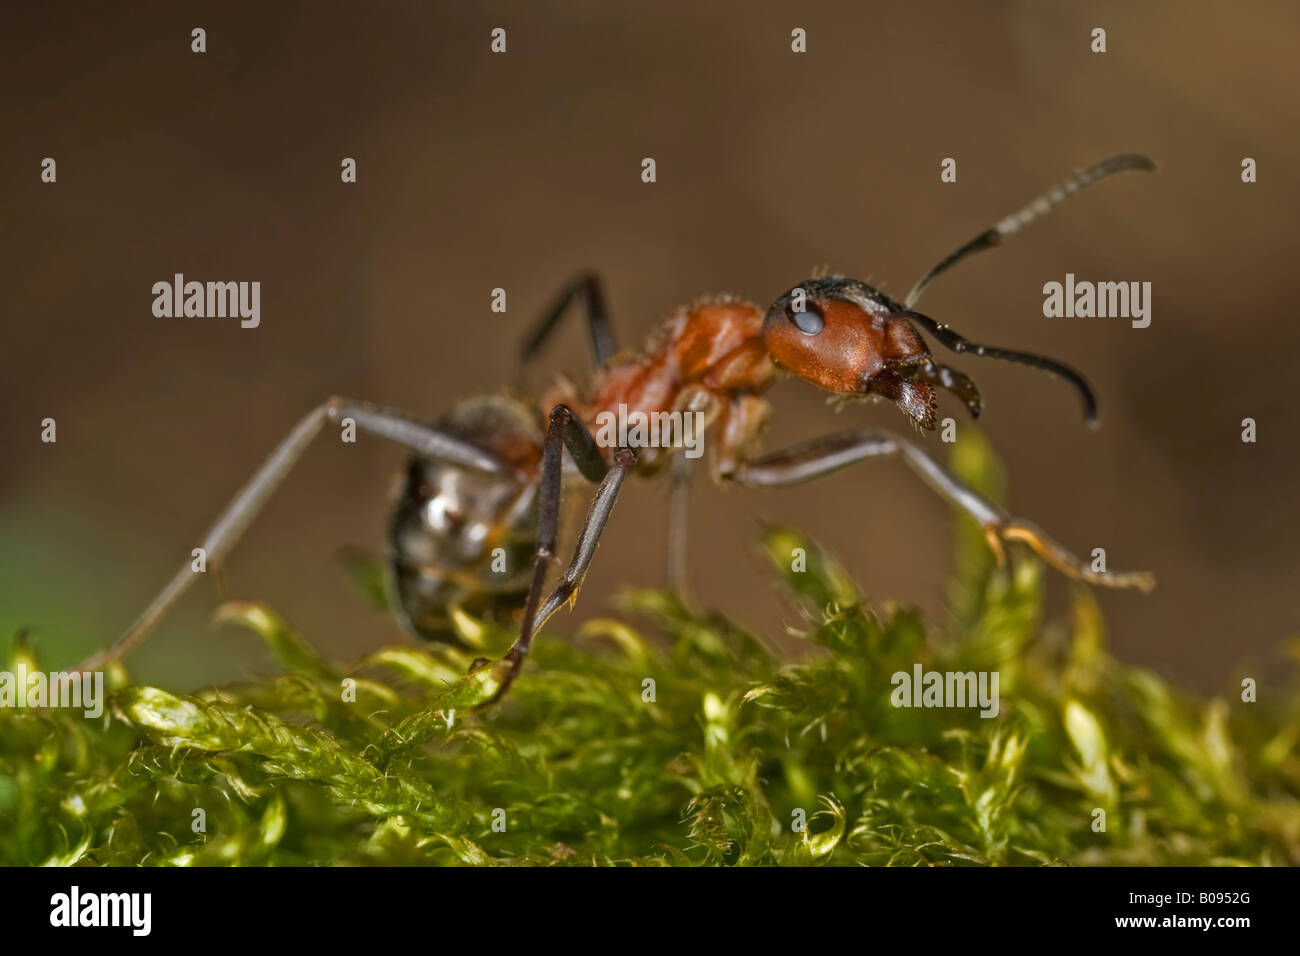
pixel 486 479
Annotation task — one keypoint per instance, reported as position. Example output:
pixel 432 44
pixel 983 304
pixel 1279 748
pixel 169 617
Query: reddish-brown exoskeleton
pixel 485 481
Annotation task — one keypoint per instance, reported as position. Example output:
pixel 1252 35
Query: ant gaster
pixel 488 475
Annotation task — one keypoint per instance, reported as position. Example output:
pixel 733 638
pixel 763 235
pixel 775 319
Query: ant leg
pixel 821 456
pixel 679 501
pixel 586 287
pixel 1036 209
pixel 565 430
pixel 421 438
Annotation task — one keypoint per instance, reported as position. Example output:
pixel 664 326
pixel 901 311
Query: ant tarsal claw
pixel 991 535
pixel 1065 562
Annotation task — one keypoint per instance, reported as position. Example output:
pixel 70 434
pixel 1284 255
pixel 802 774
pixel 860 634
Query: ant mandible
pixel 486 479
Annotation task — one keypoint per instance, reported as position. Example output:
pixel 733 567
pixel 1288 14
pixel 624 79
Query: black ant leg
pixel 821 456
pixel 586 287
pixel 421 438
pixel 679 501
pixel 1039 207
pixel 565 430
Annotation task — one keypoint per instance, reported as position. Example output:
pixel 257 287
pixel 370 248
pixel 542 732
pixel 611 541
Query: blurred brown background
pixel 477 171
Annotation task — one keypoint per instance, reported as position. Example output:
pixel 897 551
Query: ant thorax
pixel 702 369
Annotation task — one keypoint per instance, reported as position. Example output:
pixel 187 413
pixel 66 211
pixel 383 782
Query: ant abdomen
pixel 459 537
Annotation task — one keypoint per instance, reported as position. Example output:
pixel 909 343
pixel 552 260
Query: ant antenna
pixel 947 337
pixel 1036 209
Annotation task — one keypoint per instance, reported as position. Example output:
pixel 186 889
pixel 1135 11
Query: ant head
pixel 845 337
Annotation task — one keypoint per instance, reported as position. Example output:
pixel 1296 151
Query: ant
pixel 487 478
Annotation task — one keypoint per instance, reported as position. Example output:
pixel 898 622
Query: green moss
pixel 384 761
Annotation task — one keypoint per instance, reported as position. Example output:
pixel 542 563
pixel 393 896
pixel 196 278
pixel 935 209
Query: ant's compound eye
pixel 809 322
